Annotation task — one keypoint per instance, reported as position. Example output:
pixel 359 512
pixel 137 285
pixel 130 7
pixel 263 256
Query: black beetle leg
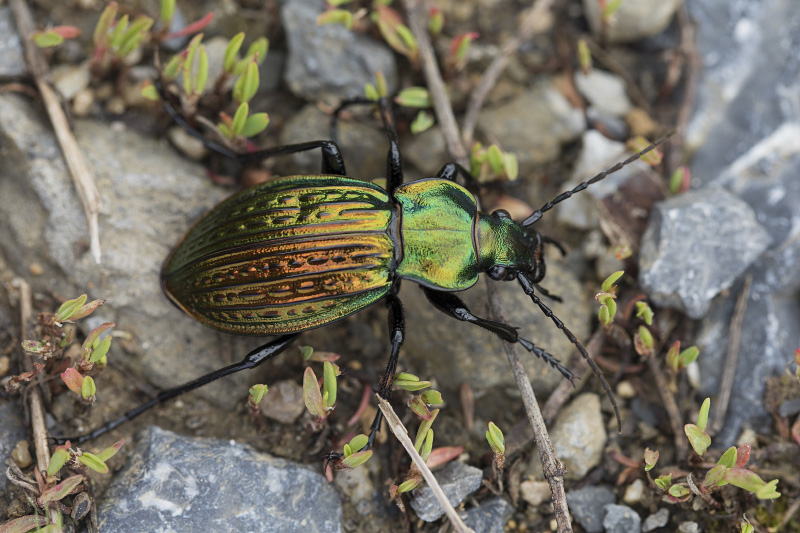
pixel 450 172
pixel 332 160
pixel 451 305
pixel 547 293
pixel 253 359
pixel 397 333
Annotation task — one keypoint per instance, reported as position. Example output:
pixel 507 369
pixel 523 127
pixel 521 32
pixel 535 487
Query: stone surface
pixel 147 203
pixel 656 520
pixel 533 125
pixel 283 402
pixel 490 516
pixel 330 62
pixel 176 483
pixel 586 506
pixel 12 430
pixel 579 435
pixel 535 492
pixel 12 62
pixel 633 20
pixel 458 480
pixel 696 244
pixel 603 90
pixel 621 519
pixel 462 352
pixel 634 492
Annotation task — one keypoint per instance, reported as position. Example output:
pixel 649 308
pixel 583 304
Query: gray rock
pixel 283 402
pixel 621 519
pixel 605 91
pixel 696 245
pixel 579 435
pixel 533 125
pixel 330 62
pixel 467 353
pixel 490 516
pixel 586 506
pixel 149 197
pixel 363 145
pixel 689 527
pixel 656 520
pixel 12 430
pixel 458 480
pixel 183 484
pixel 426 151
pixel 633 20
pixel 12 62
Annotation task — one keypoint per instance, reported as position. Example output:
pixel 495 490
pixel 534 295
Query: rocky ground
pixel 718 263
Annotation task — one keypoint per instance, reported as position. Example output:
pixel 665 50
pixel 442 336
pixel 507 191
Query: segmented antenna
pixel 536 215
pixel 527 286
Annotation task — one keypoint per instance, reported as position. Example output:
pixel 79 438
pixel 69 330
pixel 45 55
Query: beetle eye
pixel 501 213
pixel 498 273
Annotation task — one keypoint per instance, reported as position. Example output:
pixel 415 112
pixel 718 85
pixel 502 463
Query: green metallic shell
pixel 438 227
pixel 285 256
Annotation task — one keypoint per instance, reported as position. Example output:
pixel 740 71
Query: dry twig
pixel 401 433
pixel 84 181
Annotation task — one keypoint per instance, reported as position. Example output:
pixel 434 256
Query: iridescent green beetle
pixel 301 252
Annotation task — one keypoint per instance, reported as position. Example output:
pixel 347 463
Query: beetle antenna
pixel 536 215
pixel 528 287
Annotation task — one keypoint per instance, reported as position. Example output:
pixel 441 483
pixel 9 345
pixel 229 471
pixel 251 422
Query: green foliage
pixel 607 298
pixel 492 163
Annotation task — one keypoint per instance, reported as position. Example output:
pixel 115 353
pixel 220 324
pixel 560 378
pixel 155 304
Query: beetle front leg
pixel 451 305
pixel 397 334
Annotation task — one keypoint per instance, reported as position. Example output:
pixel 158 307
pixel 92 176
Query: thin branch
pixel 552 467
pixel 530 25
pixel 401 433
pixel 81 176
pixel 731 359
pixel 34 394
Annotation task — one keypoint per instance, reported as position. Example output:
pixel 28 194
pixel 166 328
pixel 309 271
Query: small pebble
pixel 748 436
pixel 115 105
pixel 634 492
pixel 656 520
pixel 22 455
pixel 188 145
pixel 35 269
pixel 625 390
pixel 535 492
pixel 82 103
pixel 640 122
pixel 689 527
pixel 5 365
pixel 283 402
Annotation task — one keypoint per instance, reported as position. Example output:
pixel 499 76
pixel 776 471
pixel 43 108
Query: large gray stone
pixel 176 483
pixel 330 62
pixel 12 62
pixel 579 435
pixel 586 506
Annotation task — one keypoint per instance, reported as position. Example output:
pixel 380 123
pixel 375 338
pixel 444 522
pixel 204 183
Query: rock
pixel 283 402
pixel 535 492
pixel 466 353
pixel 656 520
pixel 633 20
pixel 534 125
pixel 621 519
pixel 330 62
pixel 426 151
pixel 696 244
pixel 150 196
pixel 190 146
pixel 363 145
pixel 586 506
pixel 183 484
pixel 12 430
pixel 490 516
pixel 579 435
pixel 634 492
pixel 689 527
pixel 12 62
pixel 597 154
pixel 458 480
pixel 71 79
pixel 21 454
pixel 605 91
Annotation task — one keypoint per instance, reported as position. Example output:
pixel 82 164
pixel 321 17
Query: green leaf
pixel 130 41
pixel 750 481
pixel 307 352
pixel 201 72
pixel 247 84
pixel 702 416
pixel 47 39
pixel 69 308
pixel 728 458
pixel 336 16
pixel 257 393
pixel 496 439
pixel 603 315
pixel 175 65
pixel 24 524
pixel 312 396
pixel 609 282
pixel 258 50
pixel 423 430
pixel 91 339
pixel 405 376
pixel 714 476
pixel 240 118
pixel 60 491
pixel 329 383
pixel 699 439
pixel 678 491
pixel 412 386
pixel 663 482
pixel 380 84
pixel 650 459
pixel 414 97
pixel 88 388
pixel 646 336
pixel 408 485
pixel 584 55
pixel 104 25
pixel 232 52
pixel 255 124
pixel 495 158
pixel 672 356
pixel 111 451
pixel 510 166
pixel 644 312
pixel 167 12
pixel 422 122
pixel 417 405
pixel 100 350
pixel 57 461
pixel 357 459
pixel 73 380
pixel 115 38
pixel 435 21
pixel 688 356
pixel 94 462
pixel 611 7
pixel 747 527
pixel 427 447
pixel 432 397
pixel 358 442
pixel 191 50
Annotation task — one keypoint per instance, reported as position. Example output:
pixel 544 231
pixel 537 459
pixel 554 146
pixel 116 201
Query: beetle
pixel 302 252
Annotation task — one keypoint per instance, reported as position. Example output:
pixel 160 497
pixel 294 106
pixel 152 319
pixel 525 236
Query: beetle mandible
pixel 301 252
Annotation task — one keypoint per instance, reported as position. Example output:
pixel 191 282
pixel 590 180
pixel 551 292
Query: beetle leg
pixel 397 334
pixel 453 306
pixel 253 359
pixel 332 160
pixel 451 170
